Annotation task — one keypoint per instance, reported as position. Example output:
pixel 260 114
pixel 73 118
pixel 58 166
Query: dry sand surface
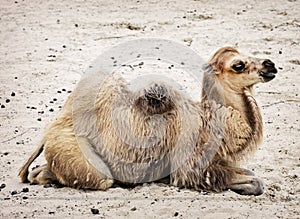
pixel 45 46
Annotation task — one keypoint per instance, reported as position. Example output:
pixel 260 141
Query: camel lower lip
pixel 267 75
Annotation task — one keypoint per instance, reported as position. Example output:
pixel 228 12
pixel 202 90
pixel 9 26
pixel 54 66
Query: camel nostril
pixel 268 63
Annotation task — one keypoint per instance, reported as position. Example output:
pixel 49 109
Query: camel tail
pixel 24 169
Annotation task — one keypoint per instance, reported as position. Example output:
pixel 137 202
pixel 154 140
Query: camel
pixel 165 135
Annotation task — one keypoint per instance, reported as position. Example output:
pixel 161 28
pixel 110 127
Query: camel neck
pixel 252 113
pixel 242 101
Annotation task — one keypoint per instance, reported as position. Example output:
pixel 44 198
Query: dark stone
pixel 14 192
pixel 25 190
pixel 95 211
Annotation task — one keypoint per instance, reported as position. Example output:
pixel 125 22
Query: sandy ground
pixel 45 46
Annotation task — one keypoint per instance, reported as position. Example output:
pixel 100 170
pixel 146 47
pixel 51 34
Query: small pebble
pixel 13 94
pixel 25 190
pixel 14 192
pixel 39 119
pixel 133 209
pixel 25 197
pixel 2 186
pixel 7 100
pixel 2 106
pixel 176 214
pixel 95 211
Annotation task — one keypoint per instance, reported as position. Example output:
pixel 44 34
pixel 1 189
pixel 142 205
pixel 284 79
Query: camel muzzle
pixel 269 71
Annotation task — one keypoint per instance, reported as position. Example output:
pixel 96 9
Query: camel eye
pixel 238 67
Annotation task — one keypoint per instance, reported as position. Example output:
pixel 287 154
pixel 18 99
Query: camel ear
pixel 208 68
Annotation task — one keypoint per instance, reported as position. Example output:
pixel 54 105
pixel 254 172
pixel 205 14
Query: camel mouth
pixel 268 75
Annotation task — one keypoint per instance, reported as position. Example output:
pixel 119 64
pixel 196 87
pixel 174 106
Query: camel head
pixel 237 71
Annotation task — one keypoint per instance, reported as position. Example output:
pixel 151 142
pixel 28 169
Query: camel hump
pixel 155 99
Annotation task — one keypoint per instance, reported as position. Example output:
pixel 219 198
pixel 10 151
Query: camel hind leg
pixel 70 166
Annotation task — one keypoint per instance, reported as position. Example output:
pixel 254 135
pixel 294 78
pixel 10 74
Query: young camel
pixel 222 130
